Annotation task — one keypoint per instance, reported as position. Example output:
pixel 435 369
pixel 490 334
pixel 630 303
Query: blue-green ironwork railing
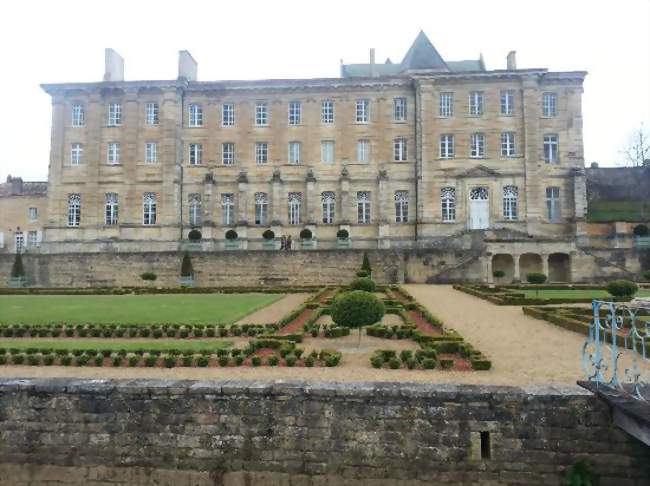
pixel 617 330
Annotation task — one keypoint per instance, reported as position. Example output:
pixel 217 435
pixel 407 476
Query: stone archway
pixel 559 267
pixel 505 263
pixel 530 263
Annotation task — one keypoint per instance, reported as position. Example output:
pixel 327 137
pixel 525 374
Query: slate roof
pixel 422 55
pixel 16 187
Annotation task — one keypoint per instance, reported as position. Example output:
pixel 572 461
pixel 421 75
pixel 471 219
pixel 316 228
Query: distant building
pixel 23 211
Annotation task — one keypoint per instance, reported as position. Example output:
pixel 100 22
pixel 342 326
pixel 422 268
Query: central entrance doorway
pixel 479 208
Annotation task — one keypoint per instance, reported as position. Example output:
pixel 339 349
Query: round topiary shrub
pixel 357 308
pixel 268 235
pixel 498 274
pixel 641 230
pixel 194 235
pixel 622 288
pixel 342 234
pixel 536 278
pixel 363 283
pixel 306 234
pixel 231 235
pixel 362 273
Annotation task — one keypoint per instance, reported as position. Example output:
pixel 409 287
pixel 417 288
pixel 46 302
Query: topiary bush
pixel 362 273
pixel 306 234
pixel 231 235
pixel 17 269
pixel 363 283
pixel 641 230
pixel 342 234
pixel 356 308
pixel 194 235
pixel 365 264
pixel 622 288
pixel 186 266
pixel 536 278
pixel 498 274
pixel 268 235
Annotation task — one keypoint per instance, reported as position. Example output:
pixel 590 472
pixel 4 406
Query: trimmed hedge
pixel 363 283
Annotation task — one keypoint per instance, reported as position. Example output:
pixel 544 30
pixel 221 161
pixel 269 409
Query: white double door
pixel 479 208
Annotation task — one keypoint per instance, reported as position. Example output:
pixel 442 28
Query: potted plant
pixel 343 238
pixel 306 241
pixel 232 240
pixel 269 239
pixel 17 278
pixel 498 274
pixel 187 272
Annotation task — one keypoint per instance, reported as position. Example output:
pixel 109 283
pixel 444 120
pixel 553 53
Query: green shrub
pixel 411 364
pixel 239 359
pixel 342 234
pixel 18 269
pixel 150 361
pixel 48 360
pixel 429 364
pixel 99 360
pixel 535 278
pixel 394 363
pixel 290 360
pixel 194 235
pixel 387 354
pixel 82 360
pixel 184 333
pixel 133 360
pixel 581 473
pixel 498 274
pixel 363 283
pixel 306 234
pixel 223 360
pixel 202 361
pixel 646 275
pixel 169 361
pixel 157 333
pixel 256 361
pixel 310 361
pixel 231 235
pixel 151 276
pixel 66 360
pixel 641 230
pixel 622 288
pixel 333 360
pixel 446 364
pixel 187 360
pixel 406 355
pixel 362 274
pixel 356 308
pixel 268 235
pixel 377 361
pixel 33 360
pixel 365 264
pixel 117 361
pixel 186 266
pixel 274 360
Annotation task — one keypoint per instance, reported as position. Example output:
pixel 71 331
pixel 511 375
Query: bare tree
pixel 637 151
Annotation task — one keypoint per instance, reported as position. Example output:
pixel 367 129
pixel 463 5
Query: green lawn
pixel 576 294
pixel 131 309
pixel 604 211
pixel 116 345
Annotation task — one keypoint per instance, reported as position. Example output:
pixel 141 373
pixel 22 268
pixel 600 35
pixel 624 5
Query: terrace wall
pixel 66 432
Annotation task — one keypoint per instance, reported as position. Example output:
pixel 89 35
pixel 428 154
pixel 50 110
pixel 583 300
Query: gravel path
pixel 275 311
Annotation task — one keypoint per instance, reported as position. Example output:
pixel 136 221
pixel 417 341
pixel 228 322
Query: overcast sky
pixel 63 41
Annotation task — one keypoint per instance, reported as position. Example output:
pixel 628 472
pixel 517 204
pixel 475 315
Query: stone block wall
pixel 74 432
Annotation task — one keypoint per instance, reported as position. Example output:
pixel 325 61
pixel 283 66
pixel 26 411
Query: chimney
pixel 187 66
pixel 373 72
pixel 511 61
pixel 114 66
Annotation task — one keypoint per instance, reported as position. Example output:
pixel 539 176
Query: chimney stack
pixel 511 61
pixel 187 66
pixel 113 66
pixel 373 72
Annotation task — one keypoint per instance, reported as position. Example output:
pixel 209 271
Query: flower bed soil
pixel 423 325
pixel 460 363
pixel 295 326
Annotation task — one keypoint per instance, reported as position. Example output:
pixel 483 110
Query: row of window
pixel 20 243
pixel 477 146
pixel 510 199
pixel 475 107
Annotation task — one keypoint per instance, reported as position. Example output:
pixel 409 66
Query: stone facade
pixel 23 212
pixel 98 432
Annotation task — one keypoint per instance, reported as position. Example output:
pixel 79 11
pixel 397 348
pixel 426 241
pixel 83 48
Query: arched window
pixel 363 207
pixel 196 217
pixel 149 208
pixel 261 208
pixel 510 196
pixel 328 206
pixel 74 209
pixel 227 209
pixel 448 203
pixel 401 206
pixel 294 207
pixel 111 209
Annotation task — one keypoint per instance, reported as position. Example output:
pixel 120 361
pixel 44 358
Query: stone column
pixel 310 198
pixel 488 268
pixel 276 198
pixel 206 206
pixel 579 194
pixel 383 198
pixel 343 208
pixel 516 277
pixel 531 149
pixel 242 201
pixel 545 265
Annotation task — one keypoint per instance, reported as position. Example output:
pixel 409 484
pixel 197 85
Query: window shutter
pixel 39 237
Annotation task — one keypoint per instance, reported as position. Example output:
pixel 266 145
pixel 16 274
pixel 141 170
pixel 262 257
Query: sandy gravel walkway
pixel 276 311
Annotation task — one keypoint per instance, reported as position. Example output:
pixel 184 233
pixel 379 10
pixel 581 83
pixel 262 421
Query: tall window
pixel 228 153
pixel 78 115
pixel 261 153
pixel 295 113
pixel 551 151
pixel 261 208
pixel 549 104
pixel 477 145
pixel 448 203
pixel 151 114
pixel 113 153
pixel 195 153
pixel 327 112
pixel 507 144
pixel 476 103
pixel 553 204
pixel 363 151
pixel 446 105
pixel 19 241
pixel 150 153
pixel 294 153
pixel 363 207
pixel 227 209
pixel 76 154
pixel 362 111
pixel 33 213
pixel 401 206
pixel 148 208
pixel 294 207
pixel 32 238
pixel 261 114
pixel 74 210
pixel 196 215
pixel 327 152
pixel 114 114
pixel 510 196
pixel 507 102
pixel 328 206
pixel 446 146
pixel 195 116
pixel 227 114
pixel 399 149
pixel 399 109
pixel 110 209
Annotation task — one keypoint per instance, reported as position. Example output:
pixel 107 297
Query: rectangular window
pixel 228 153
pixel 195 154
pixel 401 206
pixel 327 112
pixel 446 146
pixel 477 145
pixel 295 113
pixel 507 144
pixel 327 152
pixel 32 238
pixel 228 114
pixel 399 149
pixel 549 104
pixel 399 109
pixel 295 198
pixel 113 153
pixel 76 154
pixel 362 111
pixel 78 115
pixel 149 208
pixel 476 103
pixel 446 105
pixel 261 208
pixel 111 209
pixel 151 153
pixel 553 204
pixel 261 153
pixel 328 206
pixel 363 151
pixel 294 153
pixel 151 114
pixel 551 149
pixel 114 114
pixel 33 213
pixel 507 102
pixel 363 207
pixel 510 199
pixel 74 210
pixel 448 204
pixel 261 114
pixel 227 209
pixel 19 241
pixel 194 207
pixel 195 116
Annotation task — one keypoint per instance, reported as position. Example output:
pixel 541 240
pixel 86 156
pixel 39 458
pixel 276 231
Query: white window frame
pixel 362 112
pixel 261 114
pixel 261 153
pixel 114 115
pixel 363 207
pixel 78 115
pixel 447 146
pixel 549 105
pixel 401 206
pixel 448 204
pixel 33 213
pixel 446 105
pixel 195 216
pixel 261 209
pixel 76 153
pixel 195 154
pixel 19 241
pixel 228 153
pixel 551 149
pixel 295 149
pixel 400 149
pixel 294 203
pixel 151 153
pixel 152 113
pixel 553 208
pixel 399 109
pixel 327 151
pixel 328 207
pixel 227 114
pixel 476 101
pixel 228 209
pixel 74 210
pixel 294 113
pixel 507 102
pixel 363 151
pixel 508 148
pixel 327 112
pixel 195 115
pixel 510 203
pixel 113 153
pixel 149 208
pixel 32 238
pixel 111 208
pixel 477 145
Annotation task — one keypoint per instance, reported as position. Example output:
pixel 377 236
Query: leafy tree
pixel 622 288
pixel 357 308
pixel 536 278
pixel 637 151
pixel 365 265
